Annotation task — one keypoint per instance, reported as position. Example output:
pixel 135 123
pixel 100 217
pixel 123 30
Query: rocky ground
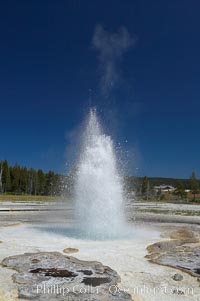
pixel 181 252
pixel 161 262
pixel 52 276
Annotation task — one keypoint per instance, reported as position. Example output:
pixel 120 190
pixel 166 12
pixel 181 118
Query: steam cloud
pixel 110 47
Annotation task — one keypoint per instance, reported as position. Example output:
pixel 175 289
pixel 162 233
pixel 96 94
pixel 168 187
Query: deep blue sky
pixel 49 76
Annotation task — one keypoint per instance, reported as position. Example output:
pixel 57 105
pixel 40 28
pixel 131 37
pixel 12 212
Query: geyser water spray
pixel 98 185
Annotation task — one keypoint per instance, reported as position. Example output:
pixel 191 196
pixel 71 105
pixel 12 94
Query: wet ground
pixel 28 228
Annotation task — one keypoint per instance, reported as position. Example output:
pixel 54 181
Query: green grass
pixel 27 198
pixel 169 201
pixel 174 212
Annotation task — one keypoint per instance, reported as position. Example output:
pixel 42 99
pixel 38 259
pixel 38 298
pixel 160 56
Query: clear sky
pixel 51 73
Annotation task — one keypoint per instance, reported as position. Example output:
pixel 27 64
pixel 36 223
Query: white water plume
pixel 98 185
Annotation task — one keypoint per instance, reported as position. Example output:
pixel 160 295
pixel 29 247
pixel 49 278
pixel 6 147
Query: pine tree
pixel 180 190
pixel 6 181
pixel 1 175
pixel 15 178
pixel 41 182
pixel 49 189
pixel 194 185
pixel 23 180
pixel 145 187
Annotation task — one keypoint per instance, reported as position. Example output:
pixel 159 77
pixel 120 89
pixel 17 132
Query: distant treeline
pixel 150 188
pixel 21 180
pixel 156 181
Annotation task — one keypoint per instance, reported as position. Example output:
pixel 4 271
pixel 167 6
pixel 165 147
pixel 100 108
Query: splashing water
pixel 98 185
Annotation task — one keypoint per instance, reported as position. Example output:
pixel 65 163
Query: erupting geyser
pixel 98 185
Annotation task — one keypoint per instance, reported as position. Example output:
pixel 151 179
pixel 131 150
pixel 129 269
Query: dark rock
pixel 52 276
pixel 178 292
pixel 95 281
pixel 86 272
pixel 54 272
pixel 183 253
pixel 177 277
